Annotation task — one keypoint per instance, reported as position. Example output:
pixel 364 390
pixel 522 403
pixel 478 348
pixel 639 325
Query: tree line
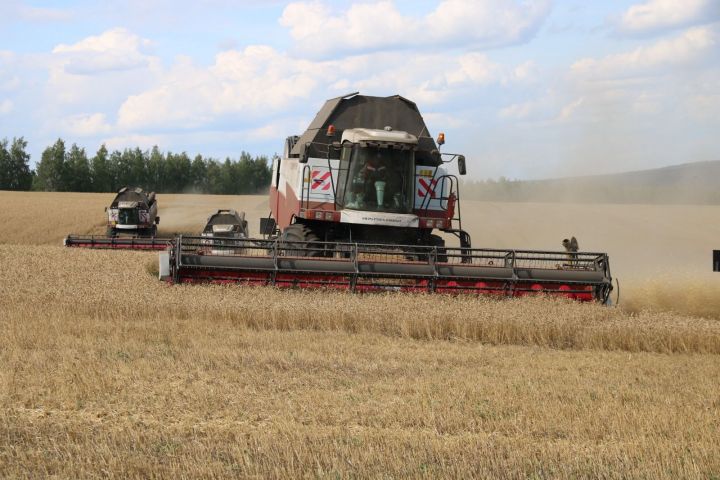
pixel 64 169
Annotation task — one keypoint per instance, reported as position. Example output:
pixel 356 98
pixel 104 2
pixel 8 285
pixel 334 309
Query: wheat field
pixel 107 372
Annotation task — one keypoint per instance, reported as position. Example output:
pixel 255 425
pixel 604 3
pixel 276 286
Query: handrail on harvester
pixel 378 267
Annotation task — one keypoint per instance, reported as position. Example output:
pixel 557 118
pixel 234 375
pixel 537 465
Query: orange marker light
pixel 441 138
pixel 331 131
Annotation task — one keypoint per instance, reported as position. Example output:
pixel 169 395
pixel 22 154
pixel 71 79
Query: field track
pixel 109 373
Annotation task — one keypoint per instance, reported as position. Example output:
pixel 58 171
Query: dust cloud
pixel 661 254
pixel 188 213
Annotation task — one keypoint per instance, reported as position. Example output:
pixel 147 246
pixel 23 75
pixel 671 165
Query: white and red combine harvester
pixel 132 220
pixel 359 202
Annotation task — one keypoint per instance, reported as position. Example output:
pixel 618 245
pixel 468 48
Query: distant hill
pixel 689 183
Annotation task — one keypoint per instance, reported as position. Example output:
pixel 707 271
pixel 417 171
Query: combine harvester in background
pixel 221 228
pixel 132 221
pixel 357 203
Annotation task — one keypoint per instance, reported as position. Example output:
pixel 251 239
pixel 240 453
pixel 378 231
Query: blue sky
pixel 526 89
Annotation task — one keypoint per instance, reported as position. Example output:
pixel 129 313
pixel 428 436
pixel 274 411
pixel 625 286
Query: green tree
pixel 101 174
pixel 198 174
pixel 214 177
pixel 125 172
pixel 15 173
pixel 116 173
pixel 156 170
pixel 51 171
pixel 138 167
pixel 178 172
pixel 5 175
pixel 78 170
pixel 261 174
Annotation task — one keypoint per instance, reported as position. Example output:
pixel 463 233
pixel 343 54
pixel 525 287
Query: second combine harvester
pixel 358 202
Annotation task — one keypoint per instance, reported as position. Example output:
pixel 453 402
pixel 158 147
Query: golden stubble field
pixel 107 372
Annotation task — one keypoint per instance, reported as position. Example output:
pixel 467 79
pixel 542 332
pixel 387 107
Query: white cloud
pixel 87 124
pixel 98 71
pixel 9 80
pixel 318 31
pixel 526 72
pixel 659 15
pixel 6 106
pixel 664 55
pixel 704 106
pixel 486 23
pixel 120 142
pixel 475 68
pixel 113 50
pixel 43 14
pixel 519 111
pixel 569 109
pixel 9 83
pixel 257 80
pixel 16 10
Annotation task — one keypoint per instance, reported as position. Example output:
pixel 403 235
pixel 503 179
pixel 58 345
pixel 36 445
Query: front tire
pixel 297 240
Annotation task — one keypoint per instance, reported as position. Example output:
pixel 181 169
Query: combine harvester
pixel 355 202
pixel 131 224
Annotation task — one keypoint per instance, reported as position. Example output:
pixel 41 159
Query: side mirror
pixel 305 155
pixel 462 169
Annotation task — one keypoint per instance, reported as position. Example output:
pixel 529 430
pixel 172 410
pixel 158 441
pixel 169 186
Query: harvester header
pixel 375 268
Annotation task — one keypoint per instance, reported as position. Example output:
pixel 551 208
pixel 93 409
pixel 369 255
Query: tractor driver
pixel 375 184
pixel 375 175
pixel 364 183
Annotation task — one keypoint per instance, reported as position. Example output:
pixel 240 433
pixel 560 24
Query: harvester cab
pixel 367 171
pixel 377 169
pixel 226 223
pixel 221 228
pixel 133 211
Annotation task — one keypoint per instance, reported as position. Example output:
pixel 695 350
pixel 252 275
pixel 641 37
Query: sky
pixel 525 89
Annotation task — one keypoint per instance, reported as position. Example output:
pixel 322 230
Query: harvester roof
pixel 132 195
pixel 230 218
pixel 363 111
pixel 225 217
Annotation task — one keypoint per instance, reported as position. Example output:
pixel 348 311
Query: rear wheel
pixel 297 240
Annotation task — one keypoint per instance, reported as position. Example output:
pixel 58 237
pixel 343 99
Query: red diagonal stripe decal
pixel 429 187
pixel 320 181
